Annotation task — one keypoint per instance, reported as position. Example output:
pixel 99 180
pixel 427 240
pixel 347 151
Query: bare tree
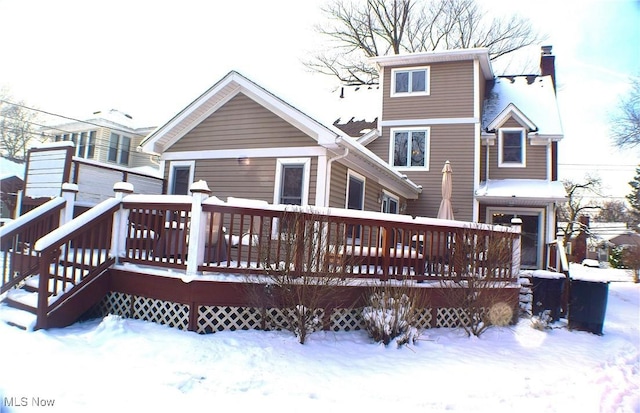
pixel 364 29
pixel 577 204
pixel 626 123
pixel 613 211
pixel 17 127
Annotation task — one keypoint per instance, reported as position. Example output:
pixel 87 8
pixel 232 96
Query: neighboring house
pixel 94 154
pixel 499 133
pixel 108 137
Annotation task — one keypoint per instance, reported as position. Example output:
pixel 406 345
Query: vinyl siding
pixel 242 123
pixel 454 143
pixel 338 190
pixel 451 94
pixel 256 180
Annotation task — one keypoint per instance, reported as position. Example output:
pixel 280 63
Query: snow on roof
pixel 10 168
pixel 522 188
pixel 533 95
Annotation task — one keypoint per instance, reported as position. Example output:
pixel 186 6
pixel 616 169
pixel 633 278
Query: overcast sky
pixel 150 58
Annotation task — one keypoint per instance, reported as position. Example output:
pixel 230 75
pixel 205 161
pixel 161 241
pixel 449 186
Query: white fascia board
pixel 511 111
pixel 368 161
pixel 368 137
pixel 479 54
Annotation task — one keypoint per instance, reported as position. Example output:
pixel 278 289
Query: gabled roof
pixel 511 111
pixel 530 99
pixel 219 94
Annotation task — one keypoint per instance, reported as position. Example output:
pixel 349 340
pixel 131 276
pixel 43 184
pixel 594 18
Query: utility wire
pixel 69 118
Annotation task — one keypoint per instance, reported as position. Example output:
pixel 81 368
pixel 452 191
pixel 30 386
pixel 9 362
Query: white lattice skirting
pixel 227 318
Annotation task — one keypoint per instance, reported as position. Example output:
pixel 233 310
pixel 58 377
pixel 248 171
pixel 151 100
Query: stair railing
pixel 73 255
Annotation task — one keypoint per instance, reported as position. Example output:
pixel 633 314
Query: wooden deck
pixel 199 253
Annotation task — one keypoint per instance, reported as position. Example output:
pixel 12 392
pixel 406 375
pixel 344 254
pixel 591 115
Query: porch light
pixel 516 220
pixel 243 160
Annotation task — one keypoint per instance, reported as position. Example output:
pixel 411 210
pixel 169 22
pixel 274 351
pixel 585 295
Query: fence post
pixel 69 192
pixel 119 230
pixel 195 249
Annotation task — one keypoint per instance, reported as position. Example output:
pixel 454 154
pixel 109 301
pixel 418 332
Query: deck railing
pixel 18 257
pixel 248 237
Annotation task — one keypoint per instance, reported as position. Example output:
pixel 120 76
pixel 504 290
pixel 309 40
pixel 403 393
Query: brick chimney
pixel 548 64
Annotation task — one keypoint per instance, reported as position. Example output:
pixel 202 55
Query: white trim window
pixel 119 149
pixel 410 148
pixel 512 148
pixel 355 200
pixel 292 181
pixel 410 81
pixel 181 175
pixel 390 203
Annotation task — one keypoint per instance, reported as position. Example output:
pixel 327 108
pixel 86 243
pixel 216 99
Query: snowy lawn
pixel 117 364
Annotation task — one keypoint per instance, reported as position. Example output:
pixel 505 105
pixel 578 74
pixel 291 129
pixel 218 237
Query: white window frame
pixel 389 196
pixel 280 162
pixel 175 164
pixel 427 148
pixel 351 173
pixel 119 150
pixel 409 92
pixel 523 143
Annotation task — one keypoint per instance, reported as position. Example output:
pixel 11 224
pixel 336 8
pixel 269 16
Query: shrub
pixel 392 313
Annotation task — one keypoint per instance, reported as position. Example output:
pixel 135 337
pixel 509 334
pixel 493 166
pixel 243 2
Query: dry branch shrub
pixel 475 292
pixel 299 279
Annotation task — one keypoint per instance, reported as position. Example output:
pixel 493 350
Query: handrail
pixel 73 255
pixel 18 257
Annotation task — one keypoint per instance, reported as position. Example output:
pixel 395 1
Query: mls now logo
pixel 27 401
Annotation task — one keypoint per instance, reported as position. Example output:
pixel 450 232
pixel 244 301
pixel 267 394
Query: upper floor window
pixel 85 143
pixel 511 147
pixel 410 81
pixel 409 148
pixel 119 147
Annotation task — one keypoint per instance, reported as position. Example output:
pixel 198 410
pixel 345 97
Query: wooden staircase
pixel 71 273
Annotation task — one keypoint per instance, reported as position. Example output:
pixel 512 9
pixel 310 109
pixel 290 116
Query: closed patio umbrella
pixel 446 209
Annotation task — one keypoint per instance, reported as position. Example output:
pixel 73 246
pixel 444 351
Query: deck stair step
pixel 32 284
pixel 16 317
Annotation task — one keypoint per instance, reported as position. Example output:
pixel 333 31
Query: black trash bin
pixel 587 305
pixel 548 288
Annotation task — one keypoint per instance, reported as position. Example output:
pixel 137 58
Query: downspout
pixel 329 163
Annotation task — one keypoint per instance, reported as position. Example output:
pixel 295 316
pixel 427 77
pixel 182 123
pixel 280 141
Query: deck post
pixel 69 192
pixel 199 192
pixel 120 221
pixel 516 224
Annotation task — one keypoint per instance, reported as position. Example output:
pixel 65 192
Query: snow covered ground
pixel 116 364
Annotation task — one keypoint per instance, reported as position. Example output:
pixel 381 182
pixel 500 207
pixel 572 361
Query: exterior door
pixel 531 236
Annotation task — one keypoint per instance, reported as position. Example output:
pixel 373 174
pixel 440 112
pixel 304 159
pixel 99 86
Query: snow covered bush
pixel 392 313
